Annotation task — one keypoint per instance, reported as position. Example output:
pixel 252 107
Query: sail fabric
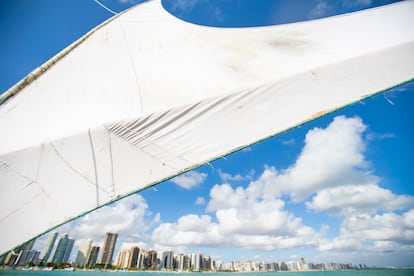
pixel 147 96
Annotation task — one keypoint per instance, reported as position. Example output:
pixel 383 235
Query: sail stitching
pixel 132 132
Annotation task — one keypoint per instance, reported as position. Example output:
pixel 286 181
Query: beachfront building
pixel 84 248
pixel 133 257
pixel 108 248
pixel 47 250
pixel 92 256
pixel 63 249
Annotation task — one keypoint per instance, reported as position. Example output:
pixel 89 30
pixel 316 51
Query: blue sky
pixel 339 188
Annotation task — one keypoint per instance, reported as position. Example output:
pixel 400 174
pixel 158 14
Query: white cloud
pixel 290 142
pixel 379 232
pixel 320 10
pixel 244 220
pixel 189 230
pixel 189 180
pixel 352 199
pixel 225 177
pixel 200 201
pixel 331 157
pixel 129 217
pixel 356 3
pixel 184 5
pixel 330 174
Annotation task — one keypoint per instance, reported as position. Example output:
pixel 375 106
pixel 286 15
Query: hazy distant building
pixel 92 256
pixel 47 250
pixel 84 248
pixel 108 248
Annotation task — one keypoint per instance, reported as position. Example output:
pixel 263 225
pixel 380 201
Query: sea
pixel 388 272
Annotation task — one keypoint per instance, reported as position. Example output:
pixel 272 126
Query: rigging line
pixel 94 166
pixel 133 68
pixel 105 7
pixel 112 163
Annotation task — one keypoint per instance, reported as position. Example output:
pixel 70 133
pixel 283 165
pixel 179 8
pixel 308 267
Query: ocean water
pixel 113 273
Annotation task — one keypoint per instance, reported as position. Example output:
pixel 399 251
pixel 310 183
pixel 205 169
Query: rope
pixel 105 7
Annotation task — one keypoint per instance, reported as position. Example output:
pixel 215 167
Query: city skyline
pixel 338 188
pixel 136 258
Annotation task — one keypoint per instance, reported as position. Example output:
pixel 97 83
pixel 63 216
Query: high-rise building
pixel 63 249
pixel 166 260
pixel 133 257
pixel 141 259
pixel 47 250
pixel 92 256
pixel 68 250
pixel 84 248
pixel 122 259
pixel 150 260
pixel 19 255
pixel 108 248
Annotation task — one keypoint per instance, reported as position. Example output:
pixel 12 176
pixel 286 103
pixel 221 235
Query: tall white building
pixel 84 248
pixel 47 250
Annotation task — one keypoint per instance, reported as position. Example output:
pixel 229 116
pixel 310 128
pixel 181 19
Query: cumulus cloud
pixel 331 157
pixel 352 199
pixel 242 219
pixel 129 217
pixel 378 232
pixel 189 230
pixel 189 180
pixel 330 175
pixel 225 177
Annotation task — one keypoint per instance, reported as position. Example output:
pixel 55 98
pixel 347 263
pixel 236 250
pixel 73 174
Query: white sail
pixel 146 96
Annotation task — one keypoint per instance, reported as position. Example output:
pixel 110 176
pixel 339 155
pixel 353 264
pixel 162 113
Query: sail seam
pixel 112 162
pixel 94 167
pixel 133 68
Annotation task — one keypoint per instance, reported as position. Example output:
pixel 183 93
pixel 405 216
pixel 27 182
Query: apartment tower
pixel 108 248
